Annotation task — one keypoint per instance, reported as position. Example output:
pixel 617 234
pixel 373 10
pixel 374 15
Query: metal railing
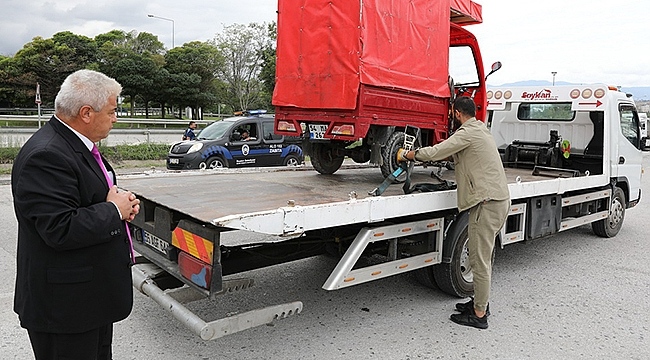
pixel 6 119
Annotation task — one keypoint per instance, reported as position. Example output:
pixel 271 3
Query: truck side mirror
pixel 495 67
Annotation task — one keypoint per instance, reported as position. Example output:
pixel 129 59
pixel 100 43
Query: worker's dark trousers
pixel 485 222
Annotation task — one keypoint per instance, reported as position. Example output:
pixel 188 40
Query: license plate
pixel 173 161
pixel 647 143
pixel 155 242
pixel 317 131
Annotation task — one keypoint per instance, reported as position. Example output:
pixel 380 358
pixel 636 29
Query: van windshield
pixel 215 130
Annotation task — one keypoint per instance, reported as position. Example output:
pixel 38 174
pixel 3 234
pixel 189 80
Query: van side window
pixel 629 124
pixel 250 128
pixel 267 130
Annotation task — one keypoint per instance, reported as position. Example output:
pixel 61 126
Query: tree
pixel 267 73
pixel 242 46
pixel 191 61
pixel 134 60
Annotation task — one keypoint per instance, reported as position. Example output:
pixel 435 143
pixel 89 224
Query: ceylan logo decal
pixel 544 94
pixel 245 150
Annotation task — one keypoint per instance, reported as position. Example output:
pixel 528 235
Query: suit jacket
pixel 479 170
pixel 73 260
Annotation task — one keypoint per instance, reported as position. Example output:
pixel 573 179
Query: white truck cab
pixel 595 128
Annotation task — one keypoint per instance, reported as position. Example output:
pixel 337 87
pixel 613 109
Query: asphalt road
pixel 571 296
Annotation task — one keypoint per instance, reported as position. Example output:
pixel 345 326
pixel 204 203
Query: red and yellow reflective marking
pixel 193 244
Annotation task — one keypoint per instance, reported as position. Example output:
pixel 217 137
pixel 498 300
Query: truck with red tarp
pixel 350 75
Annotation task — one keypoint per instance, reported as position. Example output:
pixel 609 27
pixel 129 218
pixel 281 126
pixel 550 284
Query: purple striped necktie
pixel 98 158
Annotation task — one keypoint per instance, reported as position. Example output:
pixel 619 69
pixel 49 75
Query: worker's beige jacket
pixel 479 171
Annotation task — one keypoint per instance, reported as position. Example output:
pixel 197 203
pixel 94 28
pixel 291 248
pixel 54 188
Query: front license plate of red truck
pixel 155 242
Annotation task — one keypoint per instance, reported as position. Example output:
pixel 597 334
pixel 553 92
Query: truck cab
pixel 593 130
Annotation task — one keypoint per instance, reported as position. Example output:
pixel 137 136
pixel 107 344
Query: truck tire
pixel 610 226
pixel 324 158
pixel 455 278
pixel 389 155
pixel 425 277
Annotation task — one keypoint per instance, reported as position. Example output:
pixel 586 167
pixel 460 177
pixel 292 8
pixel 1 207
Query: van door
pixel 274 143
pixel 245 152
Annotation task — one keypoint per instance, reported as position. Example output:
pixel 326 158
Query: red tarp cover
pixel 466 12
pixel 406 45
pixel 326 48
pixel 317 54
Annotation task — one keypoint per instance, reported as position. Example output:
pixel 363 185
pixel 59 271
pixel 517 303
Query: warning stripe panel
pixel 192 244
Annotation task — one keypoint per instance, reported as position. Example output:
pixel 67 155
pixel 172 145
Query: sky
pixel 583 41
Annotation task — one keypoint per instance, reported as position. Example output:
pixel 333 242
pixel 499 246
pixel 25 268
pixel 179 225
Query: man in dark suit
pixel 73 264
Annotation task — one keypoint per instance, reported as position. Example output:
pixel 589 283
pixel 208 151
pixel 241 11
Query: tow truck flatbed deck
pixel 252 199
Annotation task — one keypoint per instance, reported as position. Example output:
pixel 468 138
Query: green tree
pixel 242 46
pixel 267 73
pixel 192 61
pixel 48 62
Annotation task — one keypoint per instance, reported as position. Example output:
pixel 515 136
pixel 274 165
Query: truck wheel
pixel 214 162
pixel 610 226
pixel 291 160
pixel 324 158
pixel 455 278
pixel 425 277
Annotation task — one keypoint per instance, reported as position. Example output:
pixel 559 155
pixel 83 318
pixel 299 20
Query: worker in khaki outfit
pixel 483 189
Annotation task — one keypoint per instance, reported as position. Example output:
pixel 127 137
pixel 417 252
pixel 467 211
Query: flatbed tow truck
pixel 572 158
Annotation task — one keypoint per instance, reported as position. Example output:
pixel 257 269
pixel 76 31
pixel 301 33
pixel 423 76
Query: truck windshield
pixel 215 130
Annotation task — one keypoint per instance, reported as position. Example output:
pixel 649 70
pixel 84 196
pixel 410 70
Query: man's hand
pixel 125 201
pixel 403 155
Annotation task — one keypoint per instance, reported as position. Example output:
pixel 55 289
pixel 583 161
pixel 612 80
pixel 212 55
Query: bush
pixel 135 152
pixel 8 154
pixel 112 153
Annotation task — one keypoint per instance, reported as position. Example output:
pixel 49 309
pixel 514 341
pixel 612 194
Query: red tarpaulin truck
pixel 362 70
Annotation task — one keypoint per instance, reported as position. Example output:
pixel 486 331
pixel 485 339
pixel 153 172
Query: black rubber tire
pixel 389 155
pixel 425 277
pixel 455 277
pixel 324 160
pixel 610 226
pixel 215 162
pixel 291 160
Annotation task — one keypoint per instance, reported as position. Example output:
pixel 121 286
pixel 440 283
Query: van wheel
pixel 214 162
pixel 291 160
pixel 455 278
pixel 610 226
pixel 324 158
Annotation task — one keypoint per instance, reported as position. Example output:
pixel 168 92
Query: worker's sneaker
pixel 467 306
pixel 470 319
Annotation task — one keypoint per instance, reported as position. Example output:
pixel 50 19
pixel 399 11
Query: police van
pixel 240 141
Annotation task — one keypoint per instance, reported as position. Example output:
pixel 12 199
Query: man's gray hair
pixel 85 87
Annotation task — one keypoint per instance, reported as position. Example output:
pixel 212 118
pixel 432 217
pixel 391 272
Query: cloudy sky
pixel 584 41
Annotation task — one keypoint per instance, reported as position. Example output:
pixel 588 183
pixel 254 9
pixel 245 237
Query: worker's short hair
pixel 465 105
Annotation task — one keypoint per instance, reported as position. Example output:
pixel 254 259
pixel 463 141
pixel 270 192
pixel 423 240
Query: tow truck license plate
pixel 155 242
pixel 317 131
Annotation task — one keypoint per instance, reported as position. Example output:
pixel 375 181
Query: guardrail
pixel 135 121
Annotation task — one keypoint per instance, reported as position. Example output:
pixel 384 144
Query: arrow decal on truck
pixel 597 103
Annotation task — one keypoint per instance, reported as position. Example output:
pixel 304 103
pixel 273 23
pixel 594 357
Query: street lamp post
pixel 553 72
pixel 162 18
